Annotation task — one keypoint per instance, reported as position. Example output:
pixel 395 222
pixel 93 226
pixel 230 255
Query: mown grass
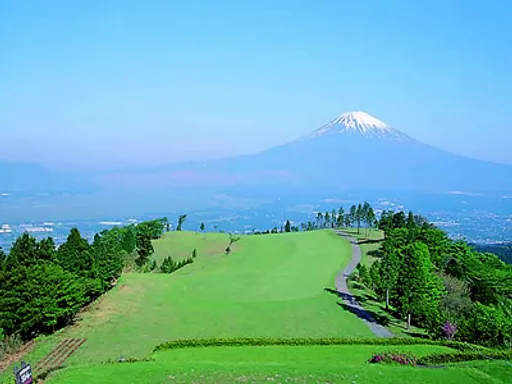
pixel 179 245
pixel 269 286
pixel 311 364
pixel 369 240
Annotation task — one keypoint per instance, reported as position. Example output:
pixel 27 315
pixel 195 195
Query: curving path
pixel 346 295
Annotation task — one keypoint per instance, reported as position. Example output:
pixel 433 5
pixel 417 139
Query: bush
pixel 394 357
pixel 169 266
pixel 458 357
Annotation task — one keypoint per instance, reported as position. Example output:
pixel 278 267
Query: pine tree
pixel 319 219
pixel 419 290
pixel 359 216
pixel 144 247
pixel 75 255
pixel 128 239
pixel 352 215
pixel 327 220
pixel 341 217
pixel 287 226
pixel 334 218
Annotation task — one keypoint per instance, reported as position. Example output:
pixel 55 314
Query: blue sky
pixel 102 83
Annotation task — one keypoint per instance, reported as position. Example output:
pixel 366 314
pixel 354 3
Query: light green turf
pixel 179 245
pixel 311 364
pixel 374 236
pixel 271 285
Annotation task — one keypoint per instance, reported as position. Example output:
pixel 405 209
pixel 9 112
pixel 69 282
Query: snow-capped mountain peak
pixel 360 123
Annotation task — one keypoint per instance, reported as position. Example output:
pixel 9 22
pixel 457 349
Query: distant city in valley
pixel 474 217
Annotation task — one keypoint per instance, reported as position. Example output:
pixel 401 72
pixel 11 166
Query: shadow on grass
pixel 354 307
pixel 417 335
pixel 367 315
pixel 369 241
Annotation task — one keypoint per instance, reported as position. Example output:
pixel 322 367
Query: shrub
pixel 449 330
pixel 238 342
pixel 462 356
pixel 394 357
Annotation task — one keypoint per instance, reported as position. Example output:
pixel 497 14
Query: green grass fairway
pixel 271 285
pixel 310 364
pixel 179 245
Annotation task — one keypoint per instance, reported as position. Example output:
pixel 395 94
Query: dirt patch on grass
pixel 109 304
pixel 9 359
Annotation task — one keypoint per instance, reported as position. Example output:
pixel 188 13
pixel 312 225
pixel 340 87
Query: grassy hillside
pixel 369 240
pixel 270 285
pixel 311 364
pixel 179 245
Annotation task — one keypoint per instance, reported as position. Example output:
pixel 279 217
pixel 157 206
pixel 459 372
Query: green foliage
pixel 462 356
pixel 364 275
pixel 181 221
pixel 435 279
pixel 170 266
pixel 39 298
pixel 144 246
pixel 418 289
pixel 76 255
pixel 307 341
pixel 287 226
pixel 489 325
pixel 42 289
pixel 129 239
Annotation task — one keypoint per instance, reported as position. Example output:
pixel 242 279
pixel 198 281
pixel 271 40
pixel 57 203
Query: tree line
pixel 42 286
pixel 443 285
pixel 360 216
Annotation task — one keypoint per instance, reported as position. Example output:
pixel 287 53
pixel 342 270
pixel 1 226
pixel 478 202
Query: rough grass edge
pixel 260 342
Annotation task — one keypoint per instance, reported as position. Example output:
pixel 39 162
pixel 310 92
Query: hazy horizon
pixel 94 85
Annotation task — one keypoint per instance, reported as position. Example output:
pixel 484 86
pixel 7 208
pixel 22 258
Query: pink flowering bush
pixel 449 330
pixel 393 357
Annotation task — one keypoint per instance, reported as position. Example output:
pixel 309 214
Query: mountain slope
pixel 355 150
pixel 32 178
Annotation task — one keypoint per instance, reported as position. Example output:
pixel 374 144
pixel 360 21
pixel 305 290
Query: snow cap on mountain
pixel 360 123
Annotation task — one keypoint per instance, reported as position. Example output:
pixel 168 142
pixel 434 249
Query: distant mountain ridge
pixel 352 151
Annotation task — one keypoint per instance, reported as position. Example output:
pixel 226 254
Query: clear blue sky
pixel 86 83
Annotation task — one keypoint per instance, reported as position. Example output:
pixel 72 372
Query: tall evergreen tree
pixel 419 290
pixel 341 218
pixel 352 215
pixel 144 247
pixel 287 226
pixel 327 220
pixel 75 255
pixel 359 216
pixel 129 239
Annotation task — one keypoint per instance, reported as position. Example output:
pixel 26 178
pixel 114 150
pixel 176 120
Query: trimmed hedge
pixel 458 357
pixel 255 342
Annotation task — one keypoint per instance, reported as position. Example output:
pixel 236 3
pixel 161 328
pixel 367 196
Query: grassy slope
pixel 270 285
pixel 179 245
pixel 281 364
pixel 374 235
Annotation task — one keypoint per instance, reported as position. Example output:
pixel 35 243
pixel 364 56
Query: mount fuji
pixel 353 151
